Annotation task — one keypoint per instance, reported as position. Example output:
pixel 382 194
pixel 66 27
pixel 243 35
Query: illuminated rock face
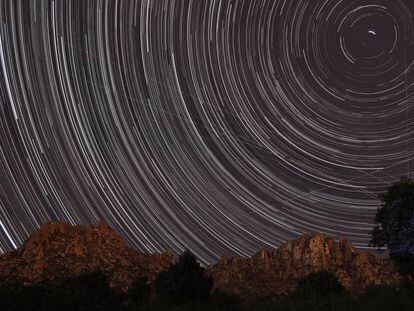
pixel 59 250
pixel 277 271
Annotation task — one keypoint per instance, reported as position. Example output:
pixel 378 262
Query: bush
pixel 39 296
pixel 184 281
pixel 386 297
pixel 221 300
pixel 89 291
pixel 318 284
pixel 9 291
pixel 138 293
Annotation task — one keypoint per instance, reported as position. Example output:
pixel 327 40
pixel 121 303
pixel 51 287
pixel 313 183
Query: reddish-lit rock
pixel 59 250
pixel 277 271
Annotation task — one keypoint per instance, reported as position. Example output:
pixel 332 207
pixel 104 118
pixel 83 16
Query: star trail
pixel 218 125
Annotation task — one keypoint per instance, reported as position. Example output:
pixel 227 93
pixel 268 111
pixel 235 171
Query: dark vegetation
pixel 185 286
pixel 184 281
pixel 89 291
pixel 395 225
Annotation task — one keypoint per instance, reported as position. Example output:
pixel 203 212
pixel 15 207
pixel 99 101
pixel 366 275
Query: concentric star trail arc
pixel 222 126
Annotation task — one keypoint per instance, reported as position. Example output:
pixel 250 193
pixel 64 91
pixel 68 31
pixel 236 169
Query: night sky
pixel 216 125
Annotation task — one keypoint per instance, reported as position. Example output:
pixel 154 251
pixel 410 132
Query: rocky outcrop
pixel 59 250
pixel 277 271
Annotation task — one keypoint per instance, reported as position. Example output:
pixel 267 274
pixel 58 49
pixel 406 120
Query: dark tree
pixel 9 293
pixel 184 281
pixel 395 223
pixel 16 296
pixel 318 284
pixel 89 291
pixel 138 293
pixel 221 300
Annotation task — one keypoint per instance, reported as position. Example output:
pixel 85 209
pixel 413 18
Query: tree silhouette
pixel 395 223
pixel 138 293
pixel 89 291
pixel 319 284
pixel 9 291
pixel 183 281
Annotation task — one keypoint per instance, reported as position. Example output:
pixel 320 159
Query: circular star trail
pixel 218 125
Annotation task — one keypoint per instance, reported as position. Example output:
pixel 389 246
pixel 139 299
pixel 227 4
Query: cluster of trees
pixel 311 297
pixel 185 286
pixel 89 291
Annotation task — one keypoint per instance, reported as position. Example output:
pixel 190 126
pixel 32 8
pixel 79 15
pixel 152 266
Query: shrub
pixel 138 293
pixel 185 280
pixel 319 284
pixel 89 291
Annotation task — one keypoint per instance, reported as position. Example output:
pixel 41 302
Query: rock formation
pixel 278 271
pixel 59 250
